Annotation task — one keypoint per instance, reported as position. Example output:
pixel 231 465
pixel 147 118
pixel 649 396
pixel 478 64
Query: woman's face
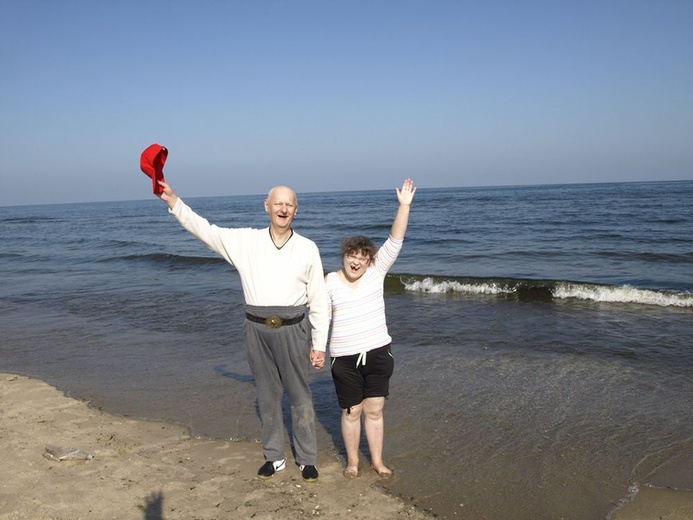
pixel 355 264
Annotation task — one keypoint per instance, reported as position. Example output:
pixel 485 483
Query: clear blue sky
pixel 340 95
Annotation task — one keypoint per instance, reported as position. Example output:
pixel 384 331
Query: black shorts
pixel 356 378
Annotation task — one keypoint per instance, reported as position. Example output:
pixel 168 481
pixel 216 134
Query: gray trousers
pixel 280 359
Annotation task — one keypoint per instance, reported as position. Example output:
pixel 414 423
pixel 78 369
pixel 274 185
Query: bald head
pixel 282 192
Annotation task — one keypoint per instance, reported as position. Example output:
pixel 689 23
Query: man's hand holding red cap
pixel 167 194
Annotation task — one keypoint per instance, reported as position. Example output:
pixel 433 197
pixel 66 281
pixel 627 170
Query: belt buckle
pixel 273 322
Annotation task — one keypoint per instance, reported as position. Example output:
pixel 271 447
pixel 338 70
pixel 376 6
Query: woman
pixel 362 362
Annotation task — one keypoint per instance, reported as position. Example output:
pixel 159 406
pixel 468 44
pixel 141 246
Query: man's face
pixel 281 205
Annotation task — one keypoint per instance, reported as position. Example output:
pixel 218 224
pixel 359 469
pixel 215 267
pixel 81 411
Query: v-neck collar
pixel 269 230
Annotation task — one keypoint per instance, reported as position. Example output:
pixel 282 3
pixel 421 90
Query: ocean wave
pixel 27 220
pixel 537 290
pixel 623 294
pixel 168 260
pixel 651 257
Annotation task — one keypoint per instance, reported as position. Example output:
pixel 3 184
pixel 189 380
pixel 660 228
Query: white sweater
pixel 358 313
pixel 289 276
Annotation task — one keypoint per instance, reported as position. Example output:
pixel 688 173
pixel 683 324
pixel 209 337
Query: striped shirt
pixel 358 313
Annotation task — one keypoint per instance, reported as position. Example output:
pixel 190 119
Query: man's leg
pixel 294 364
pixel 268 386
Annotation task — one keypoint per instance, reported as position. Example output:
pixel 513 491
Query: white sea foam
pixel 564 290
pixel 622 294
pixel 428 285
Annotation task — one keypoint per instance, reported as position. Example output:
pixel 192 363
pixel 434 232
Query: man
pixel 282 277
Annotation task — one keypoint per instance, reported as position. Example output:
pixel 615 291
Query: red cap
pixel 152 163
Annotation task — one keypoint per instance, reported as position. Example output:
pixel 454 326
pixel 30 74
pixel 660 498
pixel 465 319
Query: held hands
pixel 317 359
pixel 406 194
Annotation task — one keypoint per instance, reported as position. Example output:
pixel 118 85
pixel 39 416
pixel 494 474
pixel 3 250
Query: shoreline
pixel 666 493
pixel 155 470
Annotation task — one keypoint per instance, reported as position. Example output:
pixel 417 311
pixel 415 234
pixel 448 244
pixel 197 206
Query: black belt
pixel 274 322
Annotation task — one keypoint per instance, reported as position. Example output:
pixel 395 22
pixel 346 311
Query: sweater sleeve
pixel 209 234
pixel 318 303
pixel 387 254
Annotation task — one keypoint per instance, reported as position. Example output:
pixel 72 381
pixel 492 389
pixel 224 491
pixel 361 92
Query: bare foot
pixel 383 471
pixel 351 472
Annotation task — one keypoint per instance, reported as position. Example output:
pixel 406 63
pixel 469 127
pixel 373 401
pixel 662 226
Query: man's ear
pixel 266 206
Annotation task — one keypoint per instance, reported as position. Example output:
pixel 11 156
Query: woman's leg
pixel 351 432
pixel 374 426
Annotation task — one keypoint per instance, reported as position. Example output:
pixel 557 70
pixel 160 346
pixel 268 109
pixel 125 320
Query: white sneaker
pixel 269 468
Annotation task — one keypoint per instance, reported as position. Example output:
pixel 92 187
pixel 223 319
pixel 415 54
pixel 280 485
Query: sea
pixel 542 335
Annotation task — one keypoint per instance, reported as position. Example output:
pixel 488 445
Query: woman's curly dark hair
pixel 358 244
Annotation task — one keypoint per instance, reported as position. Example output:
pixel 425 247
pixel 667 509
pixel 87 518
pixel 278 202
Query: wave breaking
pixel 538 290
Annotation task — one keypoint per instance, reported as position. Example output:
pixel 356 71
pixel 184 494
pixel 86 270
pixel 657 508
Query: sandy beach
pixel 152 470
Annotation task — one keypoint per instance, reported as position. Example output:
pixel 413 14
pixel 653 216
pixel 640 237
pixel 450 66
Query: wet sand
pixel 152 470
pixel 666 494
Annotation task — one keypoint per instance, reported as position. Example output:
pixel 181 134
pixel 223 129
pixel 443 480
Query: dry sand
pixel 142 469
pixel 156 471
